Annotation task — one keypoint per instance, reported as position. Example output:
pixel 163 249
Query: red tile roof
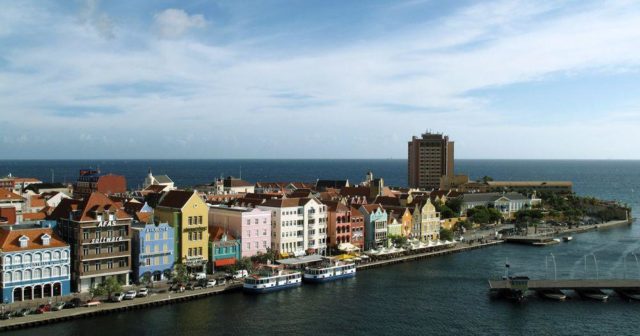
pixel 9 239
pixel 175 199
pixel 6 194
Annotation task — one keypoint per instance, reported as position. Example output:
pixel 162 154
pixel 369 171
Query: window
pixel 110 264
pixel 165 235
pixel 190 238
pixel 147 237
pixel 190 252
pixel 7 260
pixel 199 250
pixel 85 267
pixel 147 249
pixel 248 233
pixel 122 247
pixel 37 274
pixel 264 232
pixel 200 219
pixel 264 244
pixel 96 266
pixel 98 234
pixel 248 222
pixel 248 246
pixel 200 235
pixel 256 221
pixel 122 263
pixel 257 246
pixel 47 256
pixel 156 236
pixel 190 220
pixel 166 259
pixel 165 248
pixel 85 235
pixel 148 261
pixel 156 248
pixel 47 272
pixel 85 250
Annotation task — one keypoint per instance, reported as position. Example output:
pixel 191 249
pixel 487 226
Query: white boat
pixel 567 238
pixel 553 294
pixel 271 278
pixel 330 271
pixel 557 240
pixel 593 294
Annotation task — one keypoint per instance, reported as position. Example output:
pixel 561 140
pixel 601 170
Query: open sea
pixel 440 296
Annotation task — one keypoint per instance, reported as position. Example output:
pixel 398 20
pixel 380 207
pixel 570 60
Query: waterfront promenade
pixel 158 299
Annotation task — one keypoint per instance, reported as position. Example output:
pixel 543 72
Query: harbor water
pixel 438 296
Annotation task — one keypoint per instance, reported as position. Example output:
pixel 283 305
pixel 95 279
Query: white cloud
pixel 173 23
pixel 236 101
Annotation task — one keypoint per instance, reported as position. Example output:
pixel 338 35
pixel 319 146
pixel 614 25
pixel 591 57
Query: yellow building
pixel 188 214
pixel 406 223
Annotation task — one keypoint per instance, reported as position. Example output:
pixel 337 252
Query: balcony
pixel 104 255
pixel 105 270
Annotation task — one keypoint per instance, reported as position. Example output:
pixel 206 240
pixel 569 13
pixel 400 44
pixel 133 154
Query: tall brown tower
pixel 430 158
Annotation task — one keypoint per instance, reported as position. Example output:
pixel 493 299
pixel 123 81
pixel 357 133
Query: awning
pixel 347 247
pixel 225 262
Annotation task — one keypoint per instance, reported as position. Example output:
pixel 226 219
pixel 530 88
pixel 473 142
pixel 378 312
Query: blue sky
pixel 318 79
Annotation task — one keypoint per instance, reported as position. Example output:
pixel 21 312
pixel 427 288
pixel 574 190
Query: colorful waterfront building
pixel 35 263
pixel 426 221
pixel 99 233
pixel 188 214
pixel 375 225
pixel 251 225
pixel 225 249
pixel 298 225
pixel 152 251
pixel 339 223
pixel 357 228
pixel 394 224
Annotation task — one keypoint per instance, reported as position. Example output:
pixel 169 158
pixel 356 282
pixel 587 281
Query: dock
pixel 569 284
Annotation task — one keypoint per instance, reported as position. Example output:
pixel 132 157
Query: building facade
pixel 252 226
pixel 357 228
pixel 152 250
pixel 339 223
pixel 35 263
pixel 507 203
pixel 188 215
pixel 90 180
pixel 99 233
pixel 375 225
pixel 426 221
pixel 430 158
pixel 298 225
pixel 225 248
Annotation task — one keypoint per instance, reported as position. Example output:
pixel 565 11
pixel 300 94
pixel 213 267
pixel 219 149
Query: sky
pixel 318 79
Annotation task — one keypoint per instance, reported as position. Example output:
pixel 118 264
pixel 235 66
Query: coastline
pixel 161 299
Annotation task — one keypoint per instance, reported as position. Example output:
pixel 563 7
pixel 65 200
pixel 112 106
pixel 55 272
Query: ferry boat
pixel 329 271
pixel 271 278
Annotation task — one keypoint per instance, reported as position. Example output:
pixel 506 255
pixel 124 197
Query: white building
pixel 298 225
pixel 162 180
pixel 507 203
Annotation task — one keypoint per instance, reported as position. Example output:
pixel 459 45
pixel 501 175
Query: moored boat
pixel 593 294
pixel 329 271
pixel 630 294
pixel 271 278
pixel 567 238
pixel 553 294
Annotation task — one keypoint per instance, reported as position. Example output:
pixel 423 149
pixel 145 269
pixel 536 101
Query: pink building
pixel 251 226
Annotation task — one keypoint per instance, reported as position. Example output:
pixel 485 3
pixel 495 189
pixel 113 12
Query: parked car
pixel 22 312
pixel 58 306
pixel 194 286
pixel 6 315
pixel 177 287
pixel 241 274
pixel 69 305
pixel 143 292
pixel 210 283
pixel 130 295
pixel 93 303
pixel 221 281
pixel 117 297
pixel 200 275
pixel 43 308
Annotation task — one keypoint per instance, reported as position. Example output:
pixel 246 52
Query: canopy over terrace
pixel 300 261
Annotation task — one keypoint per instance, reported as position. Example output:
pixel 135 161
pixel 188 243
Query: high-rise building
pixel 430 158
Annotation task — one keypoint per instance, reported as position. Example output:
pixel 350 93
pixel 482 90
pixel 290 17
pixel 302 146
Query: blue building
pixel 375 225
pixel 152 250
pixel 35 263
pixel 225 249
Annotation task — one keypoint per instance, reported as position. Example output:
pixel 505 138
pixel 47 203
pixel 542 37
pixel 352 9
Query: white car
pixel 143 292
pixel 241 274
pixel 117 297
pixel 201 276
pixel 130 295
pixel 210 283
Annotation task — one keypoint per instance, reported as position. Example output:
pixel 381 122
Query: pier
pixel 568 284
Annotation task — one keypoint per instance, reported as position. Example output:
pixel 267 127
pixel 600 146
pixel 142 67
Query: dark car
pixel 194 286
pixel 22 312
pixel 69 305
pixel 6 315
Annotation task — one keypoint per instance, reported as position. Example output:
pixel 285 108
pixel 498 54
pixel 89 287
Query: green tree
pixel 111 285
pixel 244 263
pixel 180 271
pixel 146 278
pixel 446 234
pixel 262 258
pixel 398 240
pixel 96 291
pixel 486 179
pixel 455 204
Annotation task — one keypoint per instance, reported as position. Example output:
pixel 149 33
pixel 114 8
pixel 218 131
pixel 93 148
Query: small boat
pixel 593 294
pixel 630 294
pixel 567 238
pixel 557 240
pixel 329 271
pixel 553 294
pixel 270 278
